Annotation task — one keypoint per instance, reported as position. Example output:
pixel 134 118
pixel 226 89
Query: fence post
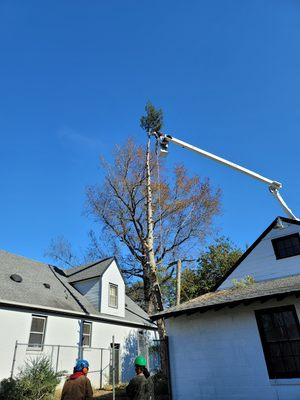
pixel 80 350
pixel 14 360
pixel 113 368
pixel 57 357
pixel 101 369
pixel 52 349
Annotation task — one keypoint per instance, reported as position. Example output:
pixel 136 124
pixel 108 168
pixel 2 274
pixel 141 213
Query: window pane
pixel 289 364
pixel 277 366
pixel 297 361
pixel 37 324
pixel 113 295
pixel 280 334
pixel 274 349
pixel 86 340
pixel 291 327
pixel 287 246
pixel 86 327
pixel 295 345
pixel 35 339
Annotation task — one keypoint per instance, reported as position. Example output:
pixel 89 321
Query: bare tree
pixel 148 216
pixel 60 250
pixel 181 212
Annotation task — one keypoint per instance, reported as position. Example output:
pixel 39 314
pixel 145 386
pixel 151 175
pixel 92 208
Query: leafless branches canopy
pixel 183 208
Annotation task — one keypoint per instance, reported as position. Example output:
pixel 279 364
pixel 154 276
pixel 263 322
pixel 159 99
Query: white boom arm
pixel 274 186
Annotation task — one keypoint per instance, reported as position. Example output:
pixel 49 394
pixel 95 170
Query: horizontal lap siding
pixel 90 289
pixel 261 263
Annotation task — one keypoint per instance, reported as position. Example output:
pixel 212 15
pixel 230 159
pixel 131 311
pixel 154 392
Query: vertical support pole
pixel 52 349
pixel 57 357
pixel 101 369
pixel 169 368
pixel 178 282
pixel 80 343
pixel 14 360
pixel 113 368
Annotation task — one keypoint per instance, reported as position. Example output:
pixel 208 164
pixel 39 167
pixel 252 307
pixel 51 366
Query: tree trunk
pixel 147 287
pixel 155 303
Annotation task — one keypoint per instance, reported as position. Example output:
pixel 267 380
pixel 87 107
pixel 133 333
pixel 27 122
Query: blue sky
pixel 75 76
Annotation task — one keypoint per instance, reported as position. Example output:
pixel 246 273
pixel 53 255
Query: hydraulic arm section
pixel 274 186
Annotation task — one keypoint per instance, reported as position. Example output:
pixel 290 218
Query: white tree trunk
pixel 156 303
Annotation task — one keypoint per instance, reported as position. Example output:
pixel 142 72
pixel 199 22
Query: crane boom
pixel 273 185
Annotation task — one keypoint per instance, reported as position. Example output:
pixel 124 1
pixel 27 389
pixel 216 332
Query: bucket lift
pixel 274 186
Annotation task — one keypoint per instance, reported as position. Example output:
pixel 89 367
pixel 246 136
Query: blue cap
pixel 80 364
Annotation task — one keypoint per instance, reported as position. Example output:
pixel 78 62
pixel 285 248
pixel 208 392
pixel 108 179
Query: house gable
pixel 94 282
pixel 260 261
pixel 112 276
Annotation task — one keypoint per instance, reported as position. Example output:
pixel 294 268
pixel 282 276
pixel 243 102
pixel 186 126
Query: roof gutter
pixel 69 313
pixel 218 306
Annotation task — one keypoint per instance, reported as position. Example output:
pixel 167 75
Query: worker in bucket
pixel 138 388
pixel 78 385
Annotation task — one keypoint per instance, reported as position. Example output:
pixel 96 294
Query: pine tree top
pixel 153 120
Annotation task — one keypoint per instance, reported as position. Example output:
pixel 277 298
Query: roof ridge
pixel 84 267
pixel 24 257
pixel 52 269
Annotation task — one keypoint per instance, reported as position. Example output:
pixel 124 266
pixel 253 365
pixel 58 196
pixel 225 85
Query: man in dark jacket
pixel 138 388
pixel 78 386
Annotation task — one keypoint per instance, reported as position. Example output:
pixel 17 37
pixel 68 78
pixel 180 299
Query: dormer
pixel 102 284
pixel 275 254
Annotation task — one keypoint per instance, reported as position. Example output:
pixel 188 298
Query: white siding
pixel 65 332
pixel 112 275
pixel 219 356
pixel 14 326
pixel 261 263
pixel 90 288
pixel 102 337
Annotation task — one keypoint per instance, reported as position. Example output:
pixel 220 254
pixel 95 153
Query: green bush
pixel 160 382
pixel 36 381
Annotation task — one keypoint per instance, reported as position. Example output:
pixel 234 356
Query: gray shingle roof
pixel 89 270
pixel 61 295
pixel 247 294
pixel 31 290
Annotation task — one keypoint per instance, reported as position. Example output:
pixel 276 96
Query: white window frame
pixel 117 296
pixel 43 333
pixel 89 335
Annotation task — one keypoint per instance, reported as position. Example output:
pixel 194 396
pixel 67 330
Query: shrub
pixel 160 383
pixel 36 381
pixel 9 390
pixel 244 282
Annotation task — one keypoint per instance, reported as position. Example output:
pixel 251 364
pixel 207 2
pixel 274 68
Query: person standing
pixel 78 385
pixel 138 388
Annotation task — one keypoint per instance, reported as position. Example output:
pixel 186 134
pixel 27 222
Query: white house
pixel 243 343
pixel 66 314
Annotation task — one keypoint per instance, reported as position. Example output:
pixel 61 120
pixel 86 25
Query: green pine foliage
pixel 153 120
pixel 36 381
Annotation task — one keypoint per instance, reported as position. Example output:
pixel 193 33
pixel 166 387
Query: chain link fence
pixel 110 368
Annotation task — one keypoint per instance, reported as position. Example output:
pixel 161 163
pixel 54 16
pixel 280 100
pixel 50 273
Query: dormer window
pixel 113 295
pixel 287 246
